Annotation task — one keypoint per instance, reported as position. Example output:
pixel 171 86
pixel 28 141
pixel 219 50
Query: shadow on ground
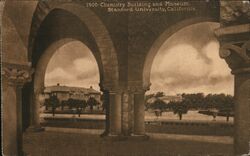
pixel 51 143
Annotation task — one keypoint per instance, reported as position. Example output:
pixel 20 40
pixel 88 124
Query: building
pixel 64 93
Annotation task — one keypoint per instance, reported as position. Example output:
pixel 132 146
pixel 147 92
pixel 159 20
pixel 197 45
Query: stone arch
pixel 12 42
pixel 90 31
pixel 21 19
pixel 42 64
pixel 39 76
pixel 160 41
pixel 108 55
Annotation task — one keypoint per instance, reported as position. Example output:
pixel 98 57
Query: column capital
pixel 237 56
pixel 235 47
pixel 17 74
pixel 137 87
pixel 111 87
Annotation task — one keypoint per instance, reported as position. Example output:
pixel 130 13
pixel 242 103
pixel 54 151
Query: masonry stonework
pixel 234 37
pixel 124 45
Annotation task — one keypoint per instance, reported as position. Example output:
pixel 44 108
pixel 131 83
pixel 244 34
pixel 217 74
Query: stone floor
pixel 72 142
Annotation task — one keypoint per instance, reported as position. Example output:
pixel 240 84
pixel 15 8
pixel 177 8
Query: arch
pixel 21 17
pixel 107 52
pixel 12 42
pixel 160 41
pixel 39 77
pixel 52 31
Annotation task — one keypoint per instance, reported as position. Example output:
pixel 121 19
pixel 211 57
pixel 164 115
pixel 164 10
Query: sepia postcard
pixel 125 77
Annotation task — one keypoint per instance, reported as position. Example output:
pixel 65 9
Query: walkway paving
pixel 86 142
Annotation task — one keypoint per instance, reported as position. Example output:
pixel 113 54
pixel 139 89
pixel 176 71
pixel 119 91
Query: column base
pixel 104 134
pixel 111 137
pixel 26 154
pixel 132 137
pixel 35 129
pixel 135 137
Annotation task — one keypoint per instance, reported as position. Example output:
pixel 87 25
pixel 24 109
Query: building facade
pixel 64 93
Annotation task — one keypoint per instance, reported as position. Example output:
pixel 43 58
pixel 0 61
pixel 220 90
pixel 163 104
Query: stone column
pixel 138 91
pixel 139 113
pixel 242 113
pixel 105 101
pixel 38 88
pixel 35 113
pixel 125 114
pixel 235 49
pixel 14 77
pixel 115 109
pixel 113 104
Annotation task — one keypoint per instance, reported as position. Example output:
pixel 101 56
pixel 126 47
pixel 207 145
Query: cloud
pixel 68 53
pixel 190 63
pixel 59 73
pixel 71 68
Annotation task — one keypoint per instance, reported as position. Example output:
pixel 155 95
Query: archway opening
pixel 71 89
pixel 52 33
pixel 190 83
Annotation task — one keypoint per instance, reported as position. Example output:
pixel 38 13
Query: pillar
pixel 113 103
pixel 115 113
pixel 139 113
pixel 105 101
pixel 137 94
pixel 126 109
pixel 242 113
pixel 35 113
pixel 37 90
pixel 14 77
pixel 235 49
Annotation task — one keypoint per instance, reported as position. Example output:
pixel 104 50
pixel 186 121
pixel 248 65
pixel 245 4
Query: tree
pixel 91 103
pixel 81 105
pixel 147 104
pixel 180 108
pixel 227 108
pixel 159 94
pixel 78 105
pixel 54 101
pixel 193 101
pixel 159 104
pixel 63 103
pixel 219 104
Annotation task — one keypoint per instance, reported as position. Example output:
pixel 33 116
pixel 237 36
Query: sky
pixel 188 62
pixel 73 64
